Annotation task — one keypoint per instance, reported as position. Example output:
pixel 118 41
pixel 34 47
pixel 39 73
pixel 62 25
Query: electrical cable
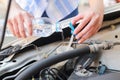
pixel 113 70
pixel 43 73
pixel 59 72
pixel 59 77
pixel 52 75
pixel 47 71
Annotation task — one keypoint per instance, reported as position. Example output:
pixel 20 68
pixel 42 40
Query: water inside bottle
pixel 44 27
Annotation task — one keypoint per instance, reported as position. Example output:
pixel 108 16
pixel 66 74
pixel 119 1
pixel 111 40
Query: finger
pixel 77 18
pixel 83 23
pixel 90 33
pixel 21 25
pixel 28 23
pixel 15 27
pixel 87 35
pixel 10 26
pixel 87 28
pixel 84 38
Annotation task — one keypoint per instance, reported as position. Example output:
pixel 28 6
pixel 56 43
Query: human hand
pixel 17 20
pixel 91 22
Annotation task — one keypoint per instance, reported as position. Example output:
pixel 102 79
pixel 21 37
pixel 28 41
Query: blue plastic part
pixel 101 69
pixel 72 28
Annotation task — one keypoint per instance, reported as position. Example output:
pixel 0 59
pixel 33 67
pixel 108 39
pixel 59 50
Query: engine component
pixel 39 65
pixel 94 76
pixel 9 51
pixel 83 64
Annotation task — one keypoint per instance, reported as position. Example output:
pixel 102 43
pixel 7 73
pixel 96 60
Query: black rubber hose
pixel 39 65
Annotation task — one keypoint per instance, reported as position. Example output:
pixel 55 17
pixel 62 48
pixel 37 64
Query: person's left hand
pixel 91 22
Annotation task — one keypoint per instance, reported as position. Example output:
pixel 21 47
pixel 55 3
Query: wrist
pixel 97 6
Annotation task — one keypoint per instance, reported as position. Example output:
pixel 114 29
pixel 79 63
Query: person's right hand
pixel 19 22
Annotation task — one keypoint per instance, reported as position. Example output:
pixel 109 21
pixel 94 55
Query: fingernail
pixel 77 37
pixel 78 40
pixel 74 35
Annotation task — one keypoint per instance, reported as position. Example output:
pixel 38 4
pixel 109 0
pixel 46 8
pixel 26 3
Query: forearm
pixel 97 5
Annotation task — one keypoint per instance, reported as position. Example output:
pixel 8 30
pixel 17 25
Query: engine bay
pixel 60 57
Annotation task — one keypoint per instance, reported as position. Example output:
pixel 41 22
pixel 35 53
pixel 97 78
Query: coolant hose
pixel 41 64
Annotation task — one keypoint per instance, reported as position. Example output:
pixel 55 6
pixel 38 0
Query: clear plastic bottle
pixel 44 27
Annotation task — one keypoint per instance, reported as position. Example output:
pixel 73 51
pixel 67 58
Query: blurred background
pixel 82 6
